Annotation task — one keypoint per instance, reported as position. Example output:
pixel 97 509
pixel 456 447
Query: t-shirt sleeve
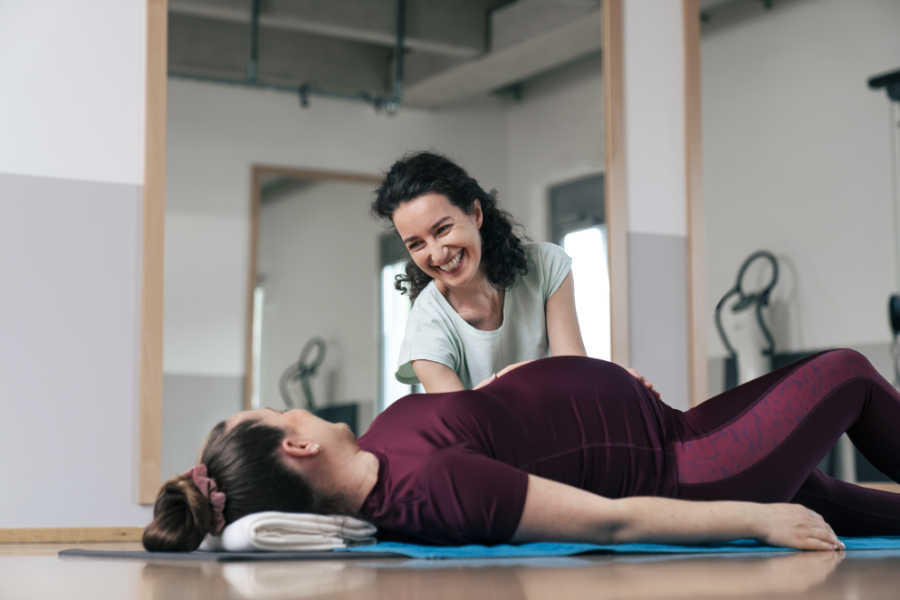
pixel 554 264
pixel 474 499
pixel 427 337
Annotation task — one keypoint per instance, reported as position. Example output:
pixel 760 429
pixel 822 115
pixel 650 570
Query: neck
pixel 360 477
pixel 478 292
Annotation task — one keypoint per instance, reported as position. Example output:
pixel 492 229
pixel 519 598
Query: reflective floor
pixel 34 571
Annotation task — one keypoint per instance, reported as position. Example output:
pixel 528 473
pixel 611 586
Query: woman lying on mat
pixel 565 449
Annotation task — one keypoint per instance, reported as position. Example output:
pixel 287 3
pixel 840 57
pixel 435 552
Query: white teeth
pixel 453 263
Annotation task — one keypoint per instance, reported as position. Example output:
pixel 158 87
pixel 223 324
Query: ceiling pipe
pixel 389 104
pixel 253 59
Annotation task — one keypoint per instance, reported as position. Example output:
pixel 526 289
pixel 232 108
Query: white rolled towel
pixel 287 532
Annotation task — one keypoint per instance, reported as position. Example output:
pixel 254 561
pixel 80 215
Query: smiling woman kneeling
pixel 483 298
pixel 564 449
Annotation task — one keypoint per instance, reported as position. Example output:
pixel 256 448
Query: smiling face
pixel 444 241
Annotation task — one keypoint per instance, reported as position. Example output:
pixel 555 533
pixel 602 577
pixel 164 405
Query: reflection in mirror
pixel 512 91
pixel 578 224
pixel 316 298
pixel 395 308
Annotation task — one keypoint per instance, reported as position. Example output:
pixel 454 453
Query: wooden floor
pixel 33 571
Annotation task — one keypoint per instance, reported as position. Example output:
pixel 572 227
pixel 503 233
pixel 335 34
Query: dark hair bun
pixel 246 465
pixel 181 518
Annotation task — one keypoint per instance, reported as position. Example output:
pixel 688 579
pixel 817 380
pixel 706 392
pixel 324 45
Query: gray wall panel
pixel 70 265
pixel 715 376
pixel 657 287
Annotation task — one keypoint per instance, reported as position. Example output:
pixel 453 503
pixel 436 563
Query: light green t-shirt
pixel 436 332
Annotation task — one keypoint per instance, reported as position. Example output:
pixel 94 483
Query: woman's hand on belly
pixel 643 380
pixel 560 513
pixel 511 367
pixel 506 370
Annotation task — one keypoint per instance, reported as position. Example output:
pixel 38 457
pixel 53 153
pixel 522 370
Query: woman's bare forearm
pixel 669 521
pixel 435 377
pixel 561 513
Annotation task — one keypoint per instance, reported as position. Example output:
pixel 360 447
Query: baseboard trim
pixel 71 535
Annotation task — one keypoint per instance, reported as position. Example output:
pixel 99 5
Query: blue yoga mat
pixel 558 549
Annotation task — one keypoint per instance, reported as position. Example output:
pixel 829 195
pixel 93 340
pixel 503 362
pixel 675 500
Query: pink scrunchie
pixel 211 492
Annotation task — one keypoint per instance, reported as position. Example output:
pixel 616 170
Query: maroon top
pixel 454 467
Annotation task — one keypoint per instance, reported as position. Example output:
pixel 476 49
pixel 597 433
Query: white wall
pixel 797 161
pixel 72 99
pixel 653 78
pixel 554 135
pixel 216 133
pixel 71 152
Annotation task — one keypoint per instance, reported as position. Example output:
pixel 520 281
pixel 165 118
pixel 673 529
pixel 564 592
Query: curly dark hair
pixel 420 173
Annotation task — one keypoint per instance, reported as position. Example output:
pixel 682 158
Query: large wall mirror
pixel 271 256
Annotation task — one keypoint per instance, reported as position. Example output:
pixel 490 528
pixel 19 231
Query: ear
pixel 300 448
pixel 477 213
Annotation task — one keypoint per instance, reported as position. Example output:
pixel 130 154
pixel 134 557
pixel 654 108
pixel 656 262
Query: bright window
pixel 395 309
pixel 590 268
pixel 259 296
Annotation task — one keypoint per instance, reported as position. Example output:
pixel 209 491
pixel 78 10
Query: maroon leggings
pixel 762 441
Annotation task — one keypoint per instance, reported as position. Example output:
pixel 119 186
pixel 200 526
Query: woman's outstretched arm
pixel 563 331
pixel 561 513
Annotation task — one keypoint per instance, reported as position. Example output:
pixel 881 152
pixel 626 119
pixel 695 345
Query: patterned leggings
pixel 762 441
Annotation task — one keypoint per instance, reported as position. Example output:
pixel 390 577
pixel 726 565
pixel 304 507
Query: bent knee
pixel 846 359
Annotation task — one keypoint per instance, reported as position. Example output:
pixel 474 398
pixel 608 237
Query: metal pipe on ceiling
pixel 253 59
pixel 389 104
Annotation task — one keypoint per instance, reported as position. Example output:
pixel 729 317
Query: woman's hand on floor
pixel 555 512
pixel 643 380
pixel 794 526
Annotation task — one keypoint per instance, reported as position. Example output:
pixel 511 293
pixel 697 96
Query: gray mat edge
pixel 224 556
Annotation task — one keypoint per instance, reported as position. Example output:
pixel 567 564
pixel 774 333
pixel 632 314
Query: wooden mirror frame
pixel 154 217
pixel 151 375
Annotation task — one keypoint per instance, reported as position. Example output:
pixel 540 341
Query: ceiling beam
pixel 515 63
pixel 214 48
